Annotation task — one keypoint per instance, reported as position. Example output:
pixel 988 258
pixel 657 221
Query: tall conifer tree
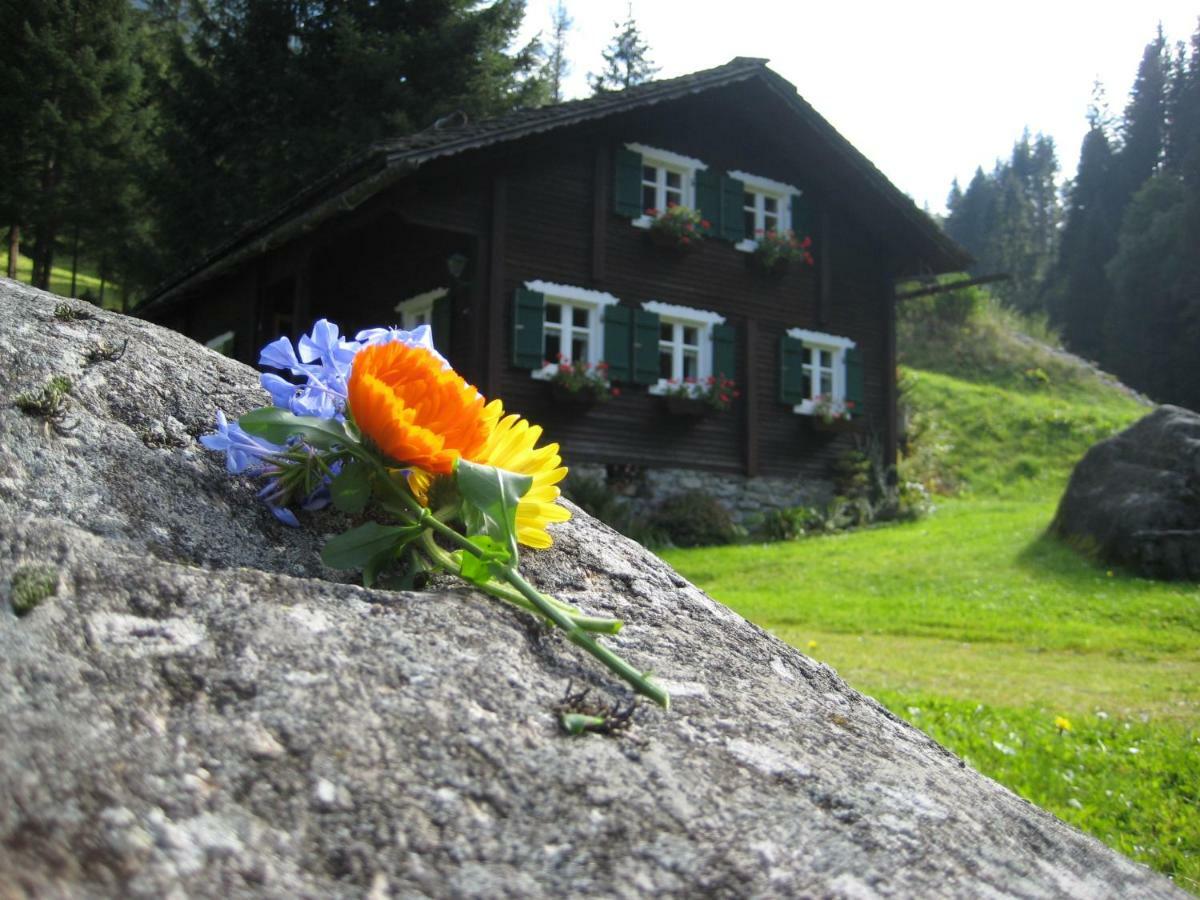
pixel 626 59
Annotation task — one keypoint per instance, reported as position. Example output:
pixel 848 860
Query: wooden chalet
pixel 527 236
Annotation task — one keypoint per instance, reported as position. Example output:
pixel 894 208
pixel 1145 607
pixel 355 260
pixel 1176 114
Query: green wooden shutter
pixel 627 185
pixel 708 199
pixel 724 341
pixel 439 321
pixel 791 371
pixel 618 342
pixel 528 313
pixel 645 347
pixel 854 380
pixel 733 218
pixel 804 220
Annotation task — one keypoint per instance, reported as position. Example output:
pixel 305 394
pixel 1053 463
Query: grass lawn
pixel 60 280
pixel 978 629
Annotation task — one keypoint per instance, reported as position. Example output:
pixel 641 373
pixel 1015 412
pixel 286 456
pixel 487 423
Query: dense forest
pixel 1114 258
pixel 140 134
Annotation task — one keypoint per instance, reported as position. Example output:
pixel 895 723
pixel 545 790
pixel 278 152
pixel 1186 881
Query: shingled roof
pixel 385 162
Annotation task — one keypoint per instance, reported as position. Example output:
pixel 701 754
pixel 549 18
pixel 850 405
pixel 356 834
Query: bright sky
pixel 927 89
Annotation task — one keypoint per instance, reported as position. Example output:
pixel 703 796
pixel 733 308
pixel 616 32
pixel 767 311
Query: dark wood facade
pixel 541 207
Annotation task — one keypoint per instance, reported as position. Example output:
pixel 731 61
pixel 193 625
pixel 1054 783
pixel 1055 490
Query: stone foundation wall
pixel 746 498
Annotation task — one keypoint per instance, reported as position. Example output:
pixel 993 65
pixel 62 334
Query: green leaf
pixel 481 569
pixel 277 425
pixel 351 489
pixel 490 498
pixel 362 547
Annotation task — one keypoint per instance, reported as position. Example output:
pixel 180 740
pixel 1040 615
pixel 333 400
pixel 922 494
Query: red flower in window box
pixel 679 226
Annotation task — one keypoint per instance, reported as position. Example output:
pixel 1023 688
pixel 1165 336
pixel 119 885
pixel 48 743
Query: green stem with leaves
pixel 575 632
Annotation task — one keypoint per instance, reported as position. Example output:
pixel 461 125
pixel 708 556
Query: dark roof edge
pixel 393 161
pixel 288 222
pixel 955 254
pixel 246 244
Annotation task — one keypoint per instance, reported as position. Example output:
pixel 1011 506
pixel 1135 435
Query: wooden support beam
pixel 495 340
pixel 600 206
pixel 825 270
pixel 750 397
pixel 890 389
pixel 951 286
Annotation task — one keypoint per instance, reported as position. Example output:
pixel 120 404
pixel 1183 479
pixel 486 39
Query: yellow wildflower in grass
pixel 1062 723
pixel 812 645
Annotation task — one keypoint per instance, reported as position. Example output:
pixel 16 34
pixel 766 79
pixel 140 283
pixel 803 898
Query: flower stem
pixel 503 592
pixel 576 633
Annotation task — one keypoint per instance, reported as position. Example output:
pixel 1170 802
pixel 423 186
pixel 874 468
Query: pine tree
pixel 556 67
pixel 71 113
pixel 1080 295
pixel 269 95
pixel 1144 124
pixel 626 59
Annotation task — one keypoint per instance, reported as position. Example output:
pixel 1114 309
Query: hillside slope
pixel 995 411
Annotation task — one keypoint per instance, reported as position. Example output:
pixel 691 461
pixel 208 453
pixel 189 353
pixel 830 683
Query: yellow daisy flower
pixel 512 445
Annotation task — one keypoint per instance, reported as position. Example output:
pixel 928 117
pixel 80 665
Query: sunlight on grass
pixel 976 572
pixel 1134 784
pixel 60 280
pixel 1165 687
pixel 981 631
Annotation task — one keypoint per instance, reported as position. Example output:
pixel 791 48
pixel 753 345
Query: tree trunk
pixel 74 259
pixel 14 250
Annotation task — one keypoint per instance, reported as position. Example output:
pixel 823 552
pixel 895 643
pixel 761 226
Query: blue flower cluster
pixel 320 366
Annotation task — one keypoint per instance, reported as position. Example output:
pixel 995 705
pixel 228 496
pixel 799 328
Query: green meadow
pixel 60 279
pixel 1075 685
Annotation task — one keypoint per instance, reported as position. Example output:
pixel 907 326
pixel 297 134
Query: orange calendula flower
pixel 512 445
pixel 416 411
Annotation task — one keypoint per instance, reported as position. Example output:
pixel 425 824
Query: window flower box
pixel 834 426
pixel 692 397
pixel 578 384
pixel 775 251
pixel 686 407
pixel 677 228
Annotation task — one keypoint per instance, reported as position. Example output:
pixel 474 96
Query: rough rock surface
pixel 1134 499
pixel 196 712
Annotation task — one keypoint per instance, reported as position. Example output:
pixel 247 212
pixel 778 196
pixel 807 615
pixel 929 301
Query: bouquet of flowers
pixel 775 248
pixel 384 429
pixel 717 392
pixel 581 377
pixel 678 225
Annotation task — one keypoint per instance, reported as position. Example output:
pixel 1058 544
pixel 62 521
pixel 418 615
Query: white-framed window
pixel 668 179
pixel 572 325
pixel 418 309
pixel 685 353
pixel 767 206
pixel 222 343
pixel 824 368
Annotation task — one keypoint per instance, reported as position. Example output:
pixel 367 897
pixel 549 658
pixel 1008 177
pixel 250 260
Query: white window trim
pixel 687 165
pixel 414 306
pixel 216 343
pixel 780 190
pixel 703 320
pixel 836 345
pixel 570 297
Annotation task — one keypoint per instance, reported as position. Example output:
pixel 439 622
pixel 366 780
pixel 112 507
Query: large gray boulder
pixel 193 709
pixel 1134 499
